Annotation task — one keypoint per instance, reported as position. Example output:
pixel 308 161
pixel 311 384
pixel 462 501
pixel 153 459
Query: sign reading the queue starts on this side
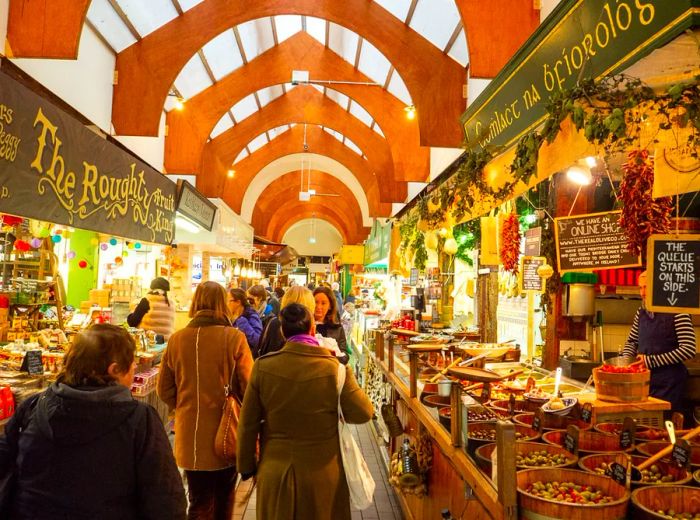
pixel 53 168
pixel 194 205
pixel 593 241
pixel 590 39
pixel 673 273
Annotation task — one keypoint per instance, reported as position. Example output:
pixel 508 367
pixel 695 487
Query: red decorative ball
pixel 82 264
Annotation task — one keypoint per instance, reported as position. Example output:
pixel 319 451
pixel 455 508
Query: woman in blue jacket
pixel 245 318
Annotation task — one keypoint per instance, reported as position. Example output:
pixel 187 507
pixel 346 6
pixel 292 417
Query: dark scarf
pixel 207 319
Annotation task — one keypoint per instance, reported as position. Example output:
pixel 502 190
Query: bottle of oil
pixel 409 465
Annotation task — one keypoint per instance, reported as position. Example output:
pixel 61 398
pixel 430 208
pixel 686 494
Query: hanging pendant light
pixel 237 269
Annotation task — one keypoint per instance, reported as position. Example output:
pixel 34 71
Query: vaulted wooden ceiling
pixel 244 116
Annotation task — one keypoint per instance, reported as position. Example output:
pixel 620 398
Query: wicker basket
pixel 621 388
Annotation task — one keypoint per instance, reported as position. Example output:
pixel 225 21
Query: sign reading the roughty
pixel 588 39
pixel 52 168
pixel 673 279
pixel 593 241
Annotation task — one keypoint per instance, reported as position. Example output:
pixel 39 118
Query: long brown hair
pixel 93 351
pixel 210 296
pixel 332 314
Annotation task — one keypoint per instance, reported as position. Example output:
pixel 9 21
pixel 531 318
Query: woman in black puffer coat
pixel 85 449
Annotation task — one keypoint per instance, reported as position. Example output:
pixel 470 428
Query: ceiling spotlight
pixel 591 161
pixel 312 240
pixel 410 112
pixel 580 175
pixel 231 174
pixel 179 103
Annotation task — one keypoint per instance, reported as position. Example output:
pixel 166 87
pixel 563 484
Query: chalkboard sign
pixel 627 434
pixel 681 453
pixel 571 439
pixel 673 273
pixel 587 413
pixel 537 420
pixel 528 279
pixel 486 392
pixel 593 241
pixel 533 241
pixel 618 473
pixel 32 363
pixel 511 405
pixel 413 281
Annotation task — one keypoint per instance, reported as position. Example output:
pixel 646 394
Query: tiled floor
pixel 385 507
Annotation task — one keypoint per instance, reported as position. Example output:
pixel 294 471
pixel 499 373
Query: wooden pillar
pixel 447 303
pixel 487 305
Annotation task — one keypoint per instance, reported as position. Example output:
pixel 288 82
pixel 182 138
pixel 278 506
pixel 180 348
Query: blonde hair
pixel 299 294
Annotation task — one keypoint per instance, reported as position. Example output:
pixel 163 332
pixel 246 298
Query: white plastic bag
pixel 360 481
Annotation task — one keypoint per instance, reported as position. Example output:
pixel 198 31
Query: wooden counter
pixel 649 412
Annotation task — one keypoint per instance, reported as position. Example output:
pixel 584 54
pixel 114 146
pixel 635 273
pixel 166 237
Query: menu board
pixel 413 281
pixel 528 278
pixel 533 241
pixel 593 241
pixel 673 273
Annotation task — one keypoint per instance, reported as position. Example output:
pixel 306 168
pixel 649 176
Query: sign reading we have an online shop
pixel 673 279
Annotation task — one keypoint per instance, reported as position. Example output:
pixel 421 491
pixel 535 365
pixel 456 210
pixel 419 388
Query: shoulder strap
pixel 342 372
pixel 228 371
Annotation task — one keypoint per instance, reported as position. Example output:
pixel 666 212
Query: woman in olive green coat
pixel 291 406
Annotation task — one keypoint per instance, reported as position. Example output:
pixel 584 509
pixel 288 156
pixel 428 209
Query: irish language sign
pixel 52 168
pixel 673 273
pixel 593 241
pixel 580 39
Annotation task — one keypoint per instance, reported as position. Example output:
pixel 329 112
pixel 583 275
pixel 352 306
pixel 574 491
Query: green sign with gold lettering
pixel 378 243
pixel 590 39
pixel 52 168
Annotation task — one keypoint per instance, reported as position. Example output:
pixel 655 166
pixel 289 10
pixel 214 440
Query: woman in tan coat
pixel 195 368
pixel 291 406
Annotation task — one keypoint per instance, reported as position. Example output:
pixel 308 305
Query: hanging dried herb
pixel 510 243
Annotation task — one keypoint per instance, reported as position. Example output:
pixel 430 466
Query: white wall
pixel 547 7
pixel 475 86
pixel 441 158
pixel 150 149
pixel 4 11
pixel 328 239
pixel 85 83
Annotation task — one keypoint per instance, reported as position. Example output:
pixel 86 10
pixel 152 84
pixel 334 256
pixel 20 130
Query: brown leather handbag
pixel 227 433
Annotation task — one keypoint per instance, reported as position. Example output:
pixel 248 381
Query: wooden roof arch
pixel 279 222
pixel 189 129
pixel 290 142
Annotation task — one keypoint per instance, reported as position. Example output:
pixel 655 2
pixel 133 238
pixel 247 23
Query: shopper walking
pixel 85 448
pixel 326 316
pixel 291 408
pixel 335 287
pixel 155 312
pixel 272 339
pixel 192 379
pixel 244 317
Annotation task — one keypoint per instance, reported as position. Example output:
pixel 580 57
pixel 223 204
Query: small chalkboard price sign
pixel 618 473
pixel 511 405
pixel 681 453
pixel 593 241
pixel 571 439
pixel 587 413
pixel 537 420
pixel 673 273
pixel 528 279
pixel 627 435
pixel 32 363
pixel 413 280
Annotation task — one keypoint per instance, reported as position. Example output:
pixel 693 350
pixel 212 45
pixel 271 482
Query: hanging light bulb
pixel 237 270
pixel 179 103
pixel 244 272
pixel 231 174
pixel 410 112
pixel 580 175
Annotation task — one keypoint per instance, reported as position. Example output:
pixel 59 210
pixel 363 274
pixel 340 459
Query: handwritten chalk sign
pixel 681 453
pixel 537 421
pixel 528 279
pixel 32 363
pixel 571 439
pixel 627 435
pixel 593 241
pixel 587 413
pixel 618 473
pixel 673 273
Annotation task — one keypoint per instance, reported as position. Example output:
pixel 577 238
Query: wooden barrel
pixel 531 507
pixel 653 447
pixel 615 428
pixel 483 455
pixel 481 433
pixel 588 441
pixel 551 421
pixel 520 406
pixel 648 501
pixel 436 401
pixel 621 388
pixel 445 416
pixel 680 475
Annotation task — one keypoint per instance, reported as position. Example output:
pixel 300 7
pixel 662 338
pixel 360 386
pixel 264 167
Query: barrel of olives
pixel 621 388
pixel 662 473
pixel 653 447
pixel 676 502
pixel 588 441
pixel 616 428
pixel 592 496
pixel 520 406
pixel 481 433
pixel 551 421
pixel 528 455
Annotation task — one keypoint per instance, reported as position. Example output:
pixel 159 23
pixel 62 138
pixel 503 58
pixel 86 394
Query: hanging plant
pixel 510 243
pixel 421 255
pixel 642 214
